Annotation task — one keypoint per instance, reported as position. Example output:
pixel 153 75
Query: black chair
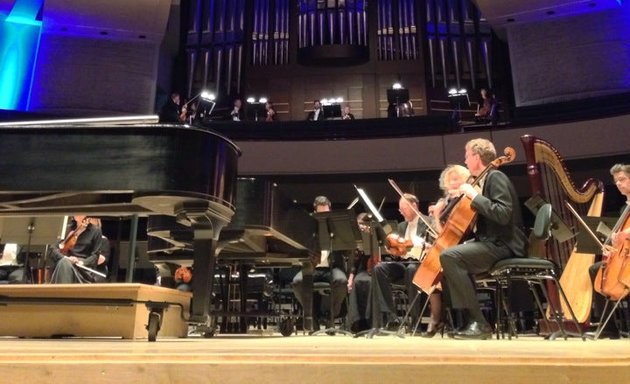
pixel 536 271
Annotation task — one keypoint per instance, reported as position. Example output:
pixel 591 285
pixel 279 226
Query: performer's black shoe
pixel 475 330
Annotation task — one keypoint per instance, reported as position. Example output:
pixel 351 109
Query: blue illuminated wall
pixel 19 42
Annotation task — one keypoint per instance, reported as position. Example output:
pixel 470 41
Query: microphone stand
pixel 27 265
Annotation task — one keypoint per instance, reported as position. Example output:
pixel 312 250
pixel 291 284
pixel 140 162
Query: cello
pixel 458 225
pixel 613 278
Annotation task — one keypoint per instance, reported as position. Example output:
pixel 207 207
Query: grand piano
pixel 114 168
pixel 268 230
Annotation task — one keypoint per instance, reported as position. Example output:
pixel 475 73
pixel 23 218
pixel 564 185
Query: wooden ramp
pixel 316 360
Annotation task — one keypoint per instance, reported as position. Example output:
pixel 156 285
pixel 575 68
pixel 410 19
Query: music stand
pixel 458 101
pixel 32 232
pixel 332 112
pixel 397 97
pixel 338 231
pixel 585 242
pixel 256 111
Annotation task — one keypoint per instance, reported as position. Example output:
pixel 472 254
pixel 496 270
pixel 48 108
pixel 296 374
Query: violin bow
pixel 402 196
pixel 604 247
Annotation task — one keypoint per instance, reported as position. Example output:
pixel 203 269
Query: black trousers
pixel 358 298
pixel 381 299
pixel 462 261
pixel 338 284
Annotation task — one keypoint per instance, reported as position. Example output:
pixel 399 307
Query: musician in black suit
pixel 316 114
pixel 331 268
pixel 86 252
pixel 171 111
pixel 237 113
pixel 359 279
pixel 621 177
pixel 392 270
pixel 498 235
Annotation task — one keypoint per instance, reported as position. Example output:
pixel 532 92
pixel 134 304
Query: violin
pixel 71 240
pixel 458 225
pixel 397 245
pixel 183 274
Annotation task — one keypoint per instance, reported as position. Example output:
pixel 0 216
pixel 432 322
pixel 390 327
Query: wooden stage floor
pixel 313 359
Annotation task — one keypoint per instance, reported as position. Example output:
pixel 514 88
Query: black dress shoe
pixel 475 330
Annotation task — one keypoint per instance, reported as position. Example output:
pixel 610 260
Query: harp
pixel 551 182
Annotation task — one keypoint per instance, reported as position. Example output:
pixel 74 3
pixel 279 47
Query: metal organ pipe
pixel 255 32
pixel 486 57
pixel 364 25
pixel 239 68
pixel 471 63
pixel 219 68
pixel 456 65
pixel 230 62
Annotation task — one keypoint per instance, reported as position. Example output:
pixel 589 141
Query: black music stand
pixel 458 101
pixel 332 112
pixel 28 232
pixel 256 111
pixel 337 231
pixel 585 242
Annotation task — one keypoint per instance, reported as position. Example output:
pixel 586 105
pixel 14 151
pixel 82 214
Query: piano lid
pixel 116 169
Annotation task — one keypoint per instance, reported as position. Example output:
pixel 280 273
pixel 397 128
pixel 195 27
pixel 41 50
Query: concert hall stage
pixel 313 359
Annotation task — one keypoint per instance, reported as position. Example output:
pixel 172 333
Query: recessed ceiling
pixel 504 12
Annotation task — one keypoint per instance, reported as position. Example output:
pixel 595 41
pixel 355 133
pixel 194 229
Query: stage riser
pixel 45 319
pixel 307 373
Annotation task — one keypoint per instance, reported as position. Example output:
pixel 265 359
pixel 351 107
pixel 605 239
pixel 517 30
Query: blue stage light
pixel 19 42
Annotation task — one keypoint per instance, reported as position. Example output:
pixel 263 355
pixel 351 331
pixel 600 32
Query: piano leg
pixel 307 295
pixel 206 229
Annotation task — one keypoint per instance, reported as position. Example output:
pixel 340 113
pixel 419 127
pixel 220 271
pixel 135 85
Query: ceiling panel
pixel 504 12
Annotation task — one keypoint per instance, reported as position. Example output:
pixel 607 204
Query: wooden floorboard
pixel 308 359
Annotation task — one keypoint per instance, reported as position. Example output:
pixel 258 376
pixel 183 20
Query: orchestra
pixel 421 255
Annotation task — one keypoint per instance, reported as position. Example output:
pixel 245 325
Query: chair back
pixel 540 233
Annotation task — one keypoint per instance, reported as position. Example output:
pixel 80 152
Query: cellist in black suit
pixel 498 234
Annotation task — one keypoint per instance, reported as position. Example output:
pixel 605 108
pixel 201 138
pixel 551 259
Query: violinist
pixel 450 180
pixel 621 177
pixel 396 269
pixel 81 247
pixel 498 235
pixel 359 282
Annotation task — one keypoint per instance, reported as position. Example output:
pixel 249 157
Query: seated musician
pixel 346 114
pixel 486 109
pixel 498 235
pixel 359 284
pixel 270 111
pixel 171 111
pixel 394 269
pixel 88 249
pixel 316 114
pixel 331 268
pixel 621 177
pixel 237 113
pixel 451 178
